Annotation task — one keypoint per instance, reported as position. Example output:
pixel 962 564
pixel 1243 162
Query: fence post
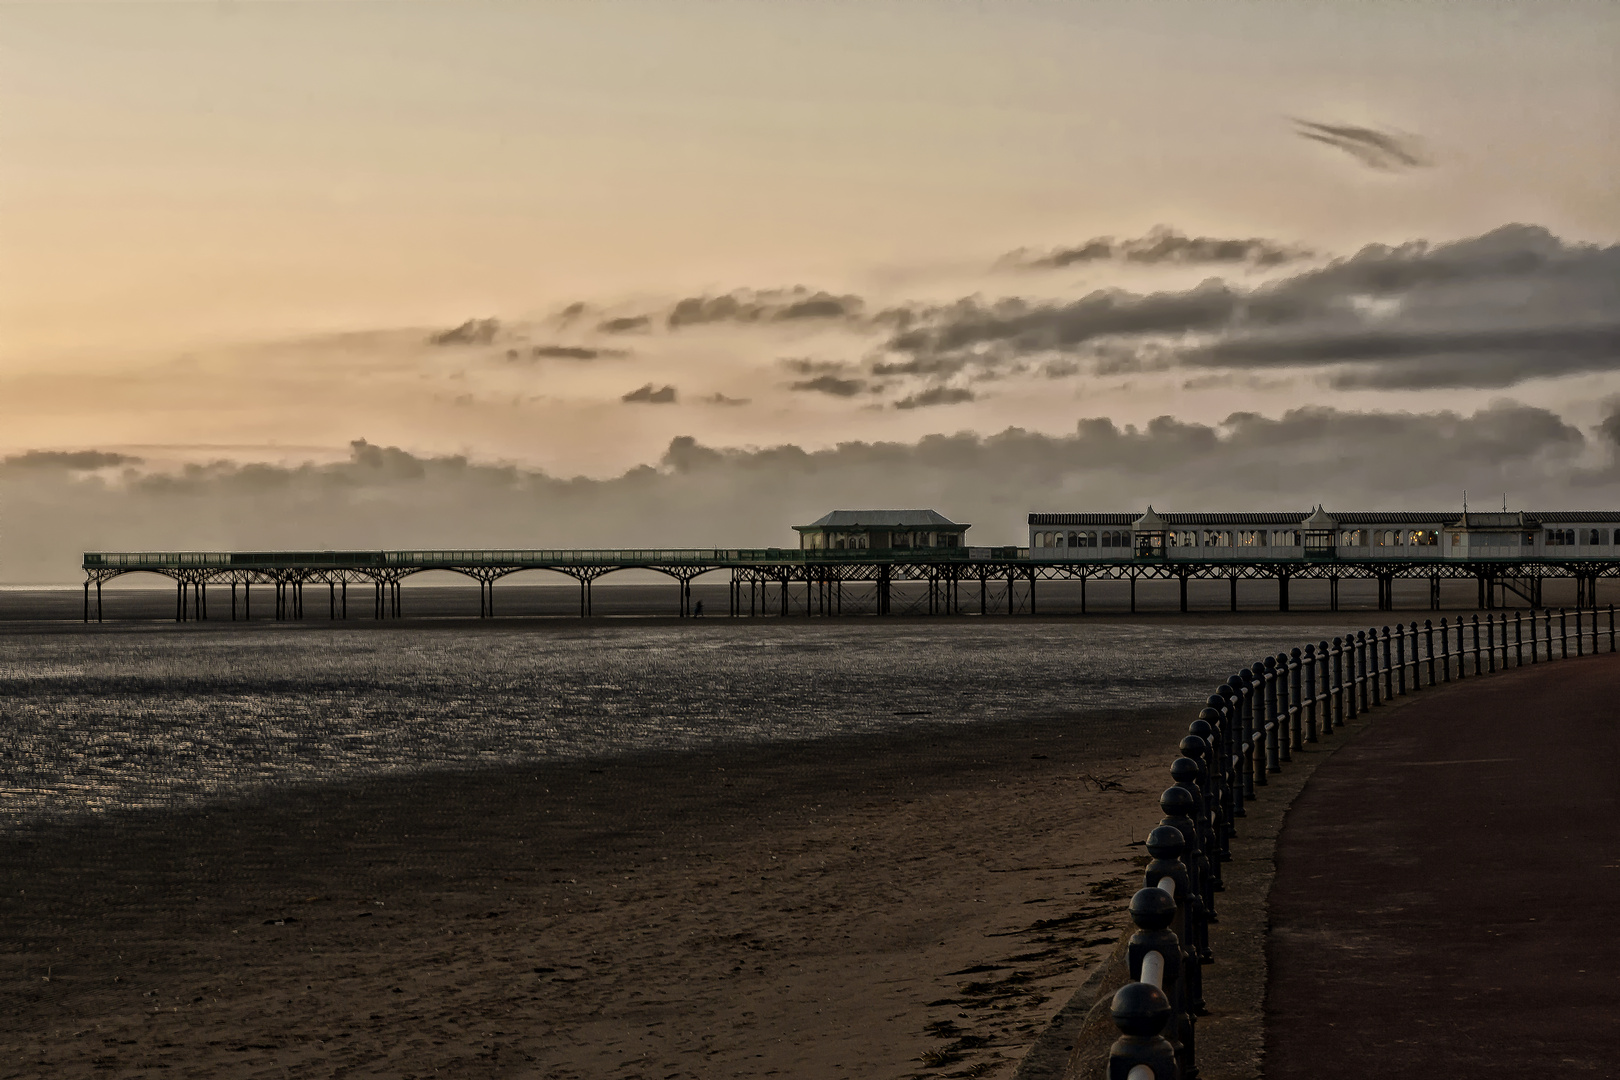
pixel 1296 698
pixel 1477 669
pixel 1445 650
pixel 1339 694
pixel 1563 633
pixel 1250 690
pixel 1372 668
pixel 1547 619
pixel 1207 727
pixel 1324 678
pixel 1400 659
pixel 1518 639
pixel 1265 720
pixel 1168 846
pixel 1611 628
pixel 1310 693
pixel 1285 703
pixel 1179 803
pixel 1141 1012
pixel 1361 668
pixel 1428 637
pixel 1490 641
pixel 1535 642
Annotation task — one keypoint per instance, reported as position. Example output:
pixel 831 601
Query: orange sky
pixel 196 197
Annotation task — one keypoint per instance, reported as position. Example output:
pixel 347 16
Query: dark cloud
pixel 471 332
pixel 1383 150
pixel 800 365
pixel 935 395
pixel 75 460
pixel 1427 360
pixel 1162 245
pixel 702 496
pixel 650 395
pixel 832 384
pixel 770 305
pixel 569 352
pixel 721 399
pixel 1494 310
pixel 626 324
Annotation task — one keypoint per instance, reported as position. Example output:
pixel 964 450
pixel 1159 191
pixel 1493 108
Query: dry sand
pixel 916 904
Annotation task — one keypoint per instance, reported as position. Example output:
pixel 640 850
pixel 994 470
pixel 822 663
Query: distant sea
pixel 154 715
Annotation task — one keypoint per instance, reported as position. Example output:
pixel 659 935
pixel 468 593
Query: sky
pixel 380 273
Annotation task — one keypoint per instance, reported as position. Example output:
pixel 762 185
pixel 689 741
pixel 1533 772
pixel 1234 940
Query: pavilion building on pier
pixel 1322 534
pixel 881 530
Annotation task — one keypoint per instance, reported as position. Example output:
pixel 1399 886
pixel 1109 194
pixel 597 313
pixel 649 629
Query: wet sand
pixel 911 904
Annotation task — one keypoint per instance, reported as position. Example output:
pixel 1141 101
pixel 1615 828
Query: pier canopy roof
pixel 1319 521
pixel 880 529
pixel 1149 522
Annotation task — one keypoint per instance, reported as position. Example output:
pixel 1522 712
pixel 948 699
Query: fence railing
pixel 1248 730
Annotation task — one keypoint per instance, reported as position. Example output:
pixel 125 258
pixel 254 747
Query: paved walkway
pixel 1447 899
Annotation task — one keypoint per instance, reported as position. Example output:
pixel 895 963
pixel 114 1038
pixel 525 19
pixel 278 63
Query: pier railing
pixel 1249 730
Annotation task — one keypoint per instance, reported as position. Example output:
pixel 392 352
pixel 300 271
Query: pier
pixel 783 581
pixel 867 553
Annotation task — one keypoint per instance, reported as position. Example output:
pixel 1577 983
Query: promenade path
pixel 1448 889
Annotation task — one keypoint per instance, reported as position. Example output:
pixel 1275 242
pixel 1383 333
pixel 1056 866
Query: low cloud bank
pixel 1492 311
pixel 701 496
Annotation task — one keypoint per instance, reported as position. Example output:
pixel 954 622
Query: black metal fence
pixel 1250 728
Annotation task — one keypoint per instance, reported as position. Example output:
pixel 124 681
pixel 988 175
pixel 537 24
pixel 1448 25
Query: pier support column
pixel 86 601
pixel 984 594
pixel 1082 594
pixel 1183 577
pixel 1333 592
pixel 1233 579
pixel 1133 593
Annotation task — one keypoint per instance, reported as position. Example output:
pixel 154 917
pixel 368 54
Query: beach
pixel 896 905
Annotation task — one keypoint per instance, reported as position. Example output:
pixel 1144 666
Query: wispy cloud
pixel 566 352
pixel 768 305
pixel 650 395
pixel 471 332
pixel 935 395
pixel 625 324
pixel 1162 245
pixel 832 384
pixel 1383 150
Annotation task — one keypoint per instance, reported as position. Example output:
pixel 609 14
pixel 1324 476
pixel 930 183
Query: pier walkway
pixel 1448 887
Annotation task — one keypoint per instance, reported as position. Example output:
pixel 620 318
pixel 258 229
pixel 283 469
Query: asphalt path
pixel 1448 888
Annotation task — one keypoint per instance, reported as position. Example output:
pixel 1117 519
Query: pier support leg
pixel 345 598
pixel 1333 592
pixel 1082 594
pixel 86 601
pixel 1032 591
pixel 1233 579
pixel 984 595
pixel 1133 594
pixel 1480 581
pixel 233 601
pixel 1183 576
pixel 98 604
